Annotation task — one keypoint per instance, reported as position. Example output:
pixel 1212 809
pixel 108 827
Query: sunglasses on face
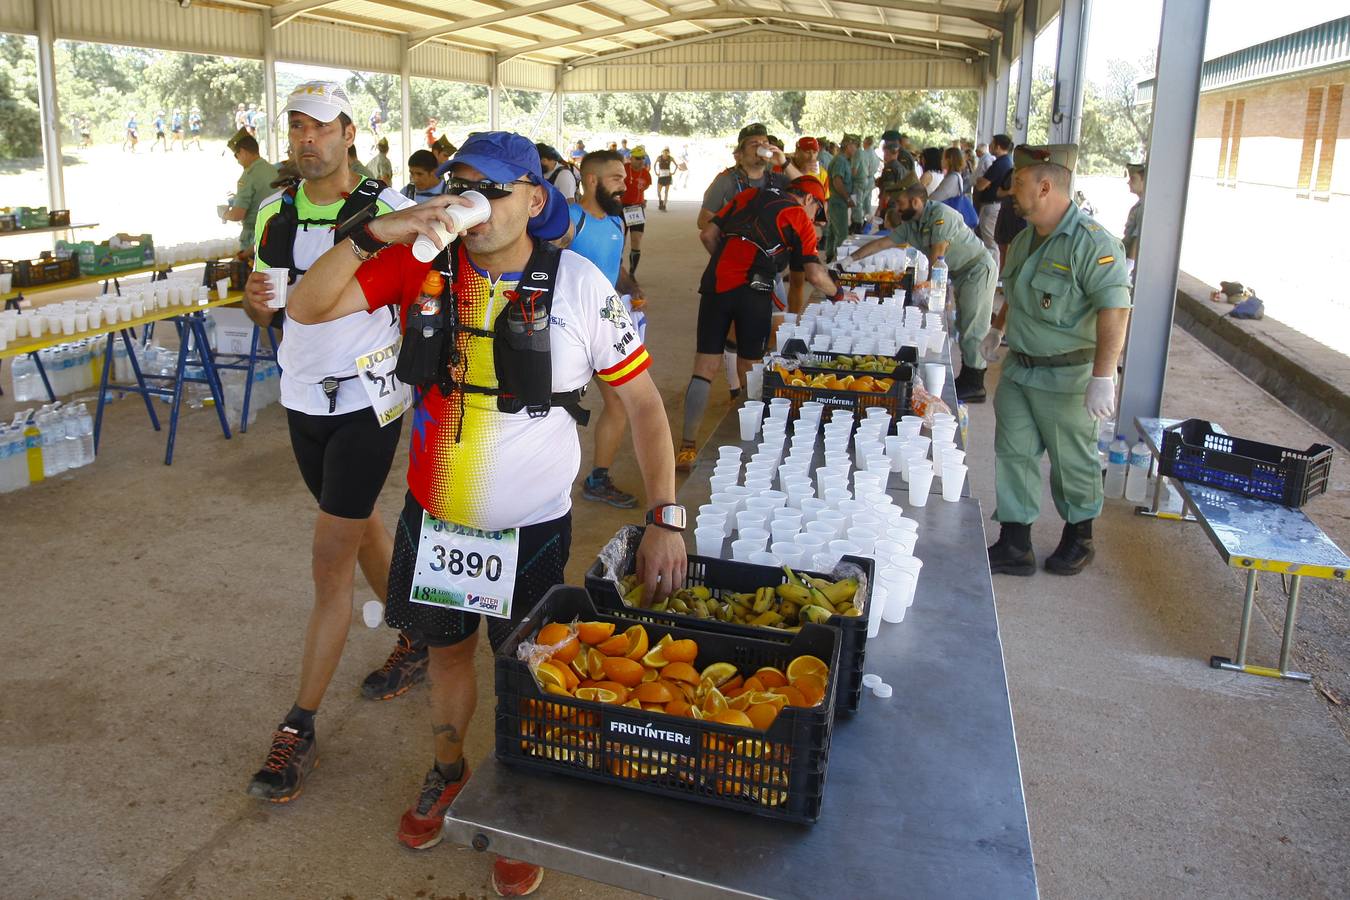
pixel 493 190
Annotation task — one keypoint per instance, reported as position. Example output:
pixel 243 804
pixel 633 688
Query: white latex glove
pixel 991 347
pixel 842 261
pixel 1100 399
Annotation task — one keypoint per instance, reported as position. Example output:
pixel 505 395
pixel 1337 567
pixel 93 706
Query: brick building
pixel 1274 113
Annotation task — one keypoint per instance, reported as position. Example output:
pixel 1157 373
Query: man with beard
pixel 597 233
pixel 495 450
pixel 1068 308
pixel 342 444
pixel 938 231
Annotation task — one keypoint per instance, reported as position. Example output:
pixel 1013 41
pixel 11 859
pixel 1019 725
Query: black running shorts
pixel 752 313
pixel 543 555
pixel 344 459
pixel 664 180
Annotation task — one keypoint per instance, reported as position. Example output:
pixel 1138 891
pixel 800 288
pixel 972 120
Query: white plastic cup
pixel 759 536
pixel 934 377
pixel 920 481
pixel 708 540
pixel 827 530
pixel 876 605
pixel 741 550
pixel 899 587
pixel 751 519
pixel 913 565
pixel 945 432
pixel 222 288
pixel 764 558
pixel 939 449
pixel 730 451
pixel 837 495
pixel 864 539
pixel 68 323
pixel 6 282
pixel 372 613
pixel 953 477
pixel 749 423
pixel 778 498
pixel 81 321
pixel 904 539
pixel 761 504
pixel 464 218
pixel 842 548
pixel 784 530
pixel 811 507
pixel 788 553
pixel 719 483
pixel 835 518
pixel 277 281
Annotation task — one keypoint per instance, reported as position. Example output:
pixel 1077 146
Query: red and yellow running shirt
pixel 471 463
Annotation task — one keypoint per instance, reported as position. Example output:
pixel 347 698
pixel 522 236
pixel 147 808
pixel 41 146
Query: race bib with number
pixel 459 567
pixel 389 397
pixel 634 215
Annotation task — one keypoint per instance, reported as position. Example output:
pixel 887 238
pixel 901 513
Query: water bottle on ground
pixel 53 439
pixel 937 285
pixel 1105 432
pixel 1117 464
pixel 70 420
pixel 8 482
pixel 25 380
pixel 1136 480
pixel 86 434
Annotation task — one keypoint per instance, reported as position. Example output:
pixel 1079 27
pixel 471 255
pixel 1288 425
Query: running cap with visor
pixel 321 100
pixel 754 129
pixel 506 156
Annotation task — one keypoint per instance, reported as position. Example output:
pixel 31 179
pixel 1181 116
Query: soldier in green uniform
pixel 938 231
pixel 841 194
pixel 1068 304
pixel 1137 174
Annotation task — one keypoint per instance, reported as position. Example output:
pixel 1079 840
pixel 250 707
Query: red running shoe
pixel 513 878
pixel 422 823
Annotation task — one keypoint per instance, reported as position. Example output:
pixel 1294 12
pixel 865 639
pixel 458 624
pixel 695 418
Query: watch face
pixel 673 516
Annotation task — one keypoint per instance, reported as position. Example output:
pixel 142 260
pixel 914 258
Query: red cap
pixel 808 143
pixel 809 185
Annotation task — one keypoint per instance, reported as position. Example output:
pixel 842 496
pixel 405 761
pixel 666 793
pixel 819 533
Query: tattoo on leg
pixel 449 732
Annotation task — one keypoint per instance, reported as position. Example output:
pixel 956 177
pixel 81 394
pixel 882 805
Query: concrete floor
pixel 156 615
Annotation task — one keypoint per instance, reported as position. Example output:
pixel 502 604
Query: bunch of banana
pixel 786 606
pixel 863 363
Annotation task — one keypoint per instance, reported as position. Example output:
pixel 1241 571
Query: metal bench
pixel 1254 536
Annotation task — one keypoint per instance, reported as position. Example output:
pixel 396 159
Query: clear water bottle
pixel 86 434
pixel 53 440
pixel 1117 464
pixel 1136 480
pixel 1105 432
pixel 70 418
pixel 7 479
pixel 25 380
pixel 937 285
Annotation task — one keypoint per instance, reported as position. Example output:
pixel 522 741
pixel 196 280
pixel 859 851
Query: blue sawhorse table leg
pixel 103 383
pixel 193 333
pixel 252 367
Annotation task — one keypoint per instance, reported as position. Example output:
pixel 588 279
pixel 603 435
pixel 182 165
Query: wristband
pixel 365 243
pixel 838 295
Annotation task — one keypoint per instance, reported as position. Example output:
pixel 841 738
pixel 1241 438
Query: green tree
pixel 20 128
pixel 214 84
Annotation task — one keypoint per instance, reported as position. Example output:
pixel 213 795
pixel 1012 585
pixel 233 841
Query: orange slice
pixel 761 715
pixel 771 677
pixel 594 632
pixel 599 695
pixel 615 646
pixel 680 671
pixel 637 642
pixel 625 671
pixel 684 650
pixel 653 692
pixel 732 717
pixel 807 665
pixel 550 674
pixel 720 673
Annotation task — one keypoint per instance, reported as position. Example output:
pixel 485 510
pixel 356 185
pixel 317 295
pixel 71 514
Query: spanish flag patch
pixel 1103 260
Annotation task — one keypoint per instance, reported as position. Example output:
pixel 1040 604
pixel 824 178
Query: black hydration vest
pixel 756 222
pixel 276 247
pixel 521 341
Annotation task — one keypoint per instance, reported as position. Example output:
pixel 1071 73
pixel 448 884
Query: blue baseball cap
pixel 506 156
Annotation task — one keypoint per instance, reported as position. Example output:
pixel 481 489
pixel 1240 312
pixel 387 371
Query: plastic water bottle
pixel 937 285
pixel 1117 463
pixel 24 378
pixel 1136 480
pixel 8 482
pixel 86 434
pixel 32 435
pixel 1105 432
pixel 53 441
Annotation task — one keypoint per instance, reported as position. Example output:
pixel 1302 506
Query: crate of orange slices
pixel 744 599
pixel 713 718
pixel 835 389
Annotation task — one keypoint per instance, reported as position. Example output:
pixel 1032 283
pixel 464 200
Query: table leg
pixel 1244 631
pixel 140 379
pixel 1286 643
pixel 103 388
pixel 177 399
pixel 1290 622
pixel 248 380
pixel 209 370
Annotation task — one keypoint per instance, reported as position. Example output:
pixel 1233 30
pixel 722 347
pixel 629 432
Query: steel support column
pixel 1025 71
pixel 405 105
pixel 988 100
pixel 1066 101
pixel 494 94
pixel 1001 83
pixel 48 108
pixel 270 85
pixel 1176 98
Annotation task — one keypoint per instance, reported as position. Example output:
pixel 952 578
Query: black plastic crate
pixel 1193 451
pixel 619 558
pixel 778 773
pixel 45 270
pixel 883 289
pixel 58 218
pixel 822 359
pixel 896 401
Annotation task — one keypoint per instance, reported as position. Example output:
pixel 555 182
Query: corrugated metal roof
pixel 1318 47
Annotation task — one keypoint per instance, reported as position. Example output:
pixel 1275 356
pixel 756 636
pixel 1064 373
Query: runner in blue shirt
pixel 597 233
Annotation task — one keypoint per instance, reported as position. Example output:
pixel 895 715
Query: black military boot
pixel 1074 551
pixel 970 385
pixel 1012 553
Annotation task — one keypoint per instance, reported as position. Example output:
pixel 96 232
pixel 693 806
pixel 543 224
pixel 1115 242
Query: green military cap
pixel 233 142
pixel 1065 155
pixel 443 144
pixel 851 137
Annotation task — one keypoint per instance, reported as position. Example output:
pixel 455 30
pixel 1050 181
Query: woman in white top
pixel 952 184
pixel 930 160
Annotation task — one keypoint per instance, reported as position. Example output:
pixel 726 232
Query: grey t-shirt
pixel 730 182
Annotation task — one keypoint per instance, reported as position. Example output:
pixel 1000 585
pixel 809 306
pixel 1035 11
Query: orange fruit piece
pixel 549 673
pixel 812 688
pixel 654 658
pixel 733 684
pixel 680 671
pixel 654 707
pixel 625 671
pixel 615 646
pixel 771 677
pixel 719 673
pixel 637 642
pixel 678 708
pixel 569 650
pixel 599 695
pixel 794 696
pixel 761 715
pixel 714 703
pixel 594 632
pixel 732 717
pixel 807 665
pixel 653 692
pixel 650 674
pixel 595 663
pixel 553 633
pixel 753 684
pixel 684 650
pixel 740 702
pixel 619 691
pixel 570 677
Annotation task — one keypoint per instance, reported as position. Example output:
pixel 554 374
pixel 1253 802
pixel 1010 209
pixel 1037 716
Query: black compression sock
pixel 599 473
pixel 301 719
pixel 633 257
pixel 451 771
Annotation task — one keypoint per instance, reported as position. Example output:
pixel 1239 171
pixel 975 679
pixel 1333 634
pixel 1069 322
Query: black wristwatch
pixel 669 516
pixel 364 243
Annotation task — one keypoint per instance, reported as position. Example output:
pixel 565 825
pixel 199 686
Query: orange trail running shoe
pixel 405 667
pixel 513 878
pixel 421 825
pixel 292 757
pixel 684 460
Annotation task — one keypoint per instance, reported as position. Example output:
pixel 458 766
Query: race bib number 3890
pixel 459 567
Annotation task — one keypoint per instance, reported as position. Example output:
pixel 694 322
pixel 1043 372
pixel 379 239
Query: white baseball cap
pixel 322 100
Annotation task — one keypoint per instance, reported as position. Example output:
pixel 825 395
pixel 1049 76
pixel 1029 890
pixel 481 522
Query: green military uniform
pixel 972 271
pixel 254 186
pixel 1054 289
pixel 842 167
